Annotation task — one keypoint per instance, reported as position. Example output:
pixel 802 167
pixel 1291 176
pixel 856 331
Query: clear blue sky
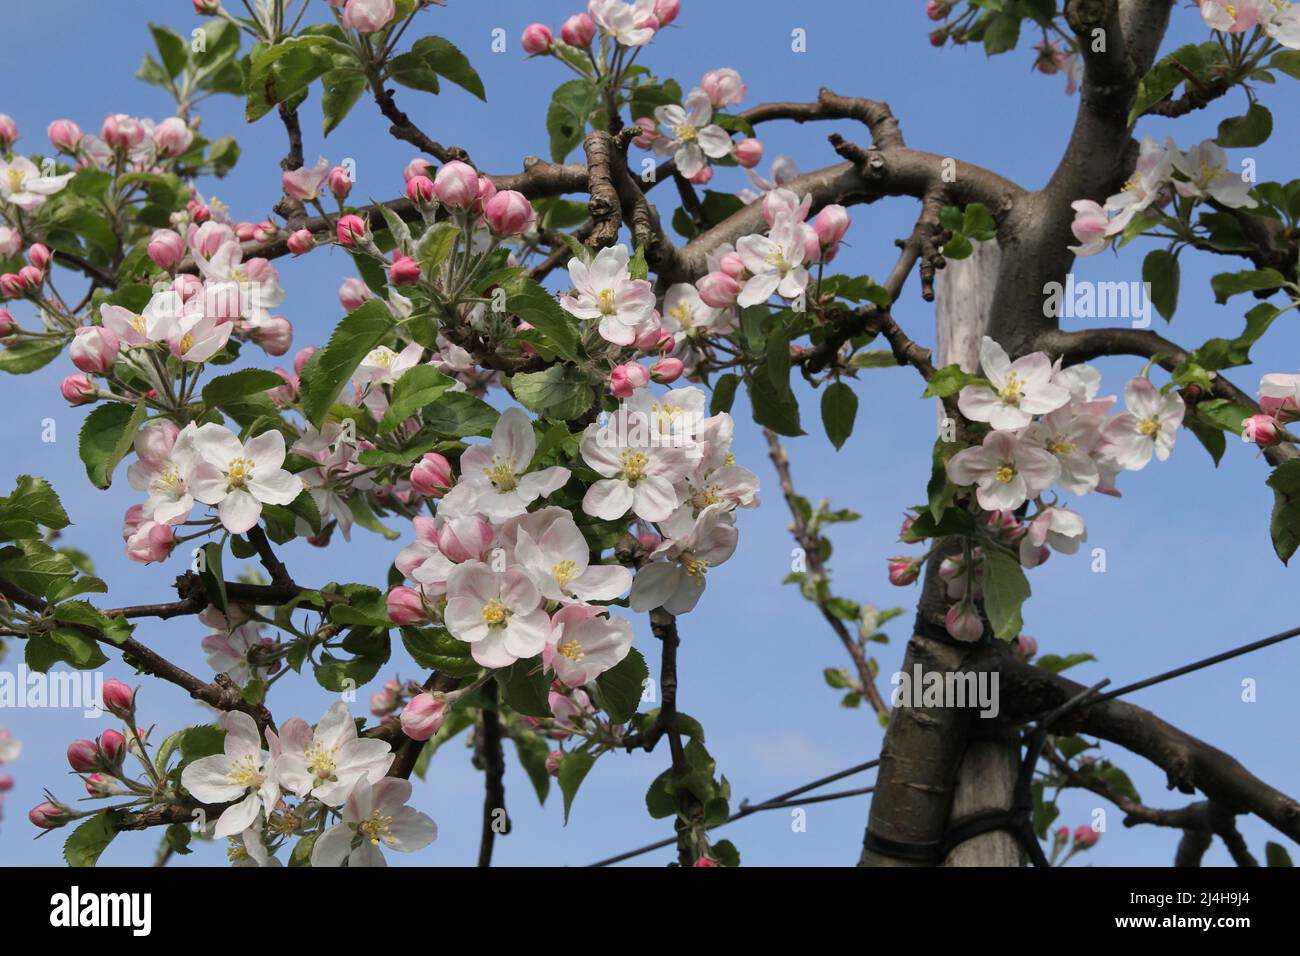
pixel 1191 571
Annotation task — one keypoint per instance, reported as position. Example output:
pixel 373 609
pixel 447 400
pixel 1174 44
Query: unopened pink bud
pixel 78 390
pixel 704 176
pixel 405 606
pixel 301 357
pixel 368 16
pixel 724 87
pixel 100 785
pixel 48 816
pixel 666 11
pixel 423 715
pixel 553 760
pixel 65 135
pixel 649 133
pixel 1263 430
pixel 963 623
pixel 1085 837
pixel 353 294
pixel 904 571
pixel 172 136
pixel 339 181
pixel 94 349
pixel 8 131
pixel 119 699
pixel 718 290
pixel 831 224
pixel 31 277
pixel 732 265
pixel 537 39
pixel 666 370
pixel 351 230
pixel 275 335
pixel 6 783
pixel 749 153
pixel 509 213
pixel 83 756
pixel 649 540
pixel 578 30
pixel 7 324
pixel 456 185
pixel 432 475
pixel 627 378
pixel 404 271
pixel 39 255
pixel 206 7
pixel 150 542
pixel 12 285
pixel 416 167
pixel 166 248
pixel 1026 646
pixel 112 745
pixel 301 241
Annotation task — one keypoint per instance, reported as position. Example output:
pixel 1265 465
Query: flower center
pixel 563 572
pixel 137 323
pixel 1005 473
pixel 682 313
pixel 321 761
pixel 240 472
pixel 1149 426
pixel 245 772
pixel 778 260
pixel 695 567
pixel 502 474
pixel 605 302
pixel 187 342
pixel 634 465
pixel 169 479
pixel 572 650
pixel 15 177
pixel 382 356
pixel 1011 390
pixel 377 828
pixel 684 133
pixel 1061 447
pixel 701 498
pixel 494 613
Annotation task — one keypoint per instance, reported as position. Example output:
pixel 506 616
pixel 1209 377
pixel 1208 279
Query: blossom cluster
pixel 1047 427
pixel 1279 19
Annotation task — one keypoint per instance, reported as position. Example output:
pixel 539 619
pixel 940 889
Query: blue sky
pixel 1189 567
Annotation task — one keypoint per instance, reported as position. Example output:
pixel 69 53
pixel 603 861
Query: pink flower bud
pixel 1085 837
pixel 274 335
pixel 749 153
pixel 718 290
pixel 404 271
pixel 456 185
pixel 93 349
pixel 578 30
pixel 963 623
pixel 732 265
pixel 627 378
pixel 1061 835
pixel 812 247
pixel 7 323
pixel 1263 430
pixel 432 475
pixel 83 756
pixel 416 167
pixel 666 371
pixel 724 87
pixel 6 783
pixel 301 242
pixel 904 571
pixel 666 11
pixel 466 540
pixel 172 136
pixel 206 7
pixel 368 16
pixel 649 133
pixel 11 241
pixel 905 532
pixel 100 785
pixel 166 248
pixel 353 294
pixel 405 606
pixel 423 715
pixel 78 390
pixel 649 540
pixel 8 131
pixel 65 135
pixel 286 394
pixel 12 286
pixel 936 9
pixel 118 699
pixel 703 176
pixel 553 761
pixel 419 189
pixel 509 213
pixel 122 132
pixel 198 212
pixel 339 181
pixel 112 745
pixel 937 37
pixel 831 224
pixel 39 255
pixel 48 816
pixel 705 861
pixel 352 230
pixel 302 357
pixel 31 278
pixel 150 542
pixel 537 39
pixel 1026 646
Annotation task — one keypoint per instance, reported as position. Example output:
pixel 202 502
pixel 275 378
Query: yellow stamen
pixel 502 474
pixel 245 772
pixel 695 567
pixel 563 572
pixel 321 761
pixel 606 302
pixel 1011 391
pixel 1005 473
pixel 634 465
pixel 239 473
pixel 494 613
pixel 572 650
pixel 1149 426
pixel 378 828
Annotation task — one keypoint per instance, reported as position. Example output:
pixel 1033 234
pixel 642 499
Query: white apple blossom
pixel 691 139
pixel 1072 436
pixel 630 24
pixel 1209 175
pixel 692 547
pixel 374 816
pixel 1006 469
pixel 1150 425
pixel 248 850
pixel 327 761
pixel 239 652
pixel 639 471
pixel 1281 21
pixel 775 263
pixel 240 773
pixel 1150 176
pixel 784 170
pixel 165 479
pixel 240 478
pixel 1019 390
pixel 685 314
pixel 606 291
pixel 585 643
pixel 495 481
pixel 549 546
pixel 499 614
pixel 1060 528
pixel 23 184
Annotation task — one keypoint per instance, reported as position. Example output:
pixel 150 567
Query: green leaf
pixel 1160 268
pixel 1005 590
pixel 1056 663
pixel 1228 284
pixel 1285 524
pixel 106 436
pixel 566 117
pixel 573 770
pixel 34 501
pixel 1276 855
pixel 250 381
pixel 85 844
pixel 621 686
pixel 533 751
pixel 948 381
pixel 724 393
pixel 417 387
pixel 172 49
pixel 329 369
pixel 342 90
pixel 525 688
pixel 281 72
pixel 436 244
pixel 1249 130
pixel 839 409
pixel 458 414
pixel 210 573
pixel 434 648
pixel 530 302
pixel 1002 33
pixel 561 392
pixel 1288 61
pixel 779 412
pixel 28 355
pixel 444 58
pixel 978 223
